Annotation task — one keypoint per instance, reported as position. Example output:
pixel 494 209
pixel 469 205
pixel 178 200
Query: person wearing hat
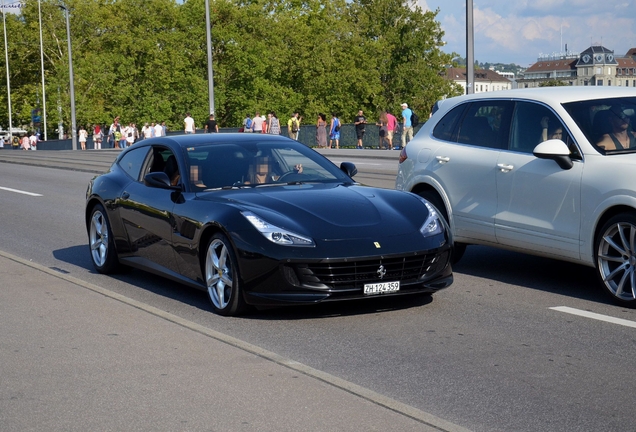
pixel 407 126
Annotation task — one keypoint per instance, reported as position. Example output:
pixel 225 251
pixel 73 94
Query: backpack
pixel 415 120
pixel 294 125
pixel 248 123
pixel 337 128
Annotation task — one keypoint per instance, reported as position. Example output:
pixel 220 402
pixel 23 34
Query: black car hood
pixel 331 211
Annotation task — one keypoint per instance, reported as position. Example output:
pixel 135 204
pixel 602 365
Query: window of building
pixel 599 82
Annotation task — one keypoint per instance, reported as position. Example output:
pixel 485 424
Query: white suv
pixel 549 171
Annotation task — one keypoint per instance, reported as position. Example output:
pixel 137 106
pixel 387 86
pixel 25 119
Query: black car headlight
pixel 433 224
pixel 275 234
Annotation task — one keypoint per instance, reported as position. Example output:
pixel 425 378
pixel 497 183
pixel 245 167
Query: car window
pixel 132 161
pixel 608 124
pixel 255 163
pixel 532 124
pixel 446 126
pixel 163 160
pixel 486 124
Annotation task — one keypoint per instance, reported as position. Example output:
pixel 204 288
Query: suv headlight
pixel 275 234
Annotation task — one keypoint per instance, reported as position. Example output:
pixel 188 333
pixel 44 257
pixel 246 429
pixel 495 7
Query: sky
pixel 519 31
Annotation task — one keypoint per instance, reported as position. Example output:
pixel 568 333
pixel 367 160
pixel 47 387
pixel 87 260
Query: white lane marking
pixel 592 315
pixel 19 191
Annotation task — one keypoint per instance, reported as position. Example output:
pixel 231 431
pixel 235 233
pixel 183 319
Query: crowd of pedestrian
pixel 119 135
pixel 328 132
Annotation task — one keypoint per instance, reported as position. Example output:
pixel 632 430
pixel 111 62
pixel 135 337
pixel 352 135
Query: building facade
pixel 596 66
pixel 484 81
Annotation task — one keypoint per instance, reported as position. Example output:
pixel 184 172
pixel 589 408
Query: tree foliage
pixel 146 60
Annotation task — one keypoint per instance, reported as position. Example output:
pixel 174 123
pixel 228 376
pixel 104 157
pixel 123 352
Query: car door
pixel 538 202
pixel 146 213
pixel 467 170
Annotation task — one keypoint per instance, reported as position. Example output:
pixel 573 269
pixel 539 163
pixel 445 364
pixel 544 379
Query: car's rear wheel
pixel 100 241
pixel 222 278
pixel 616 258
pixel 434 198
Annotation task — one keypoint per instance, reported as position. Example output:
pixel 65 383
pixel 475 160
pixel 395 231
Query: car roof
pixel 552 95
pixel 194 140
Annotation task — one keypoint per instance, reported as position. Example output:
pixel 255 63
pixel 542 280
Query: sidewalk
pixel 77 357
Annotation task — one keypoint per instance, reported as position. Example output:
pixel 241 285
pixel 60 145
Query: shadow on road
pixel 544 274
pixel 79 256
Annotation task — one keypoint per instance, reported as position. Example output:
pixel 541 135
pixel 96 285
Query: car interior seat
pixel 172 170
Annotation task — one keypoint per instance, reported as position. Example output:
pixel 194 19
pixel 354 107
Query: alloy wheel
pixel 616 259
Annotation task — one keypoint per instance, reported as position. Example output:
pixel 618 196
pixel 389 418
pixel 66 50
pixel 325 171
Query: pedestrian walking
pixel 273 125
pixel 189 124
pixel 334 130
pixel 407 127
pixel 321 131
pixel 211 126
pixel 83 136
pixel 360 123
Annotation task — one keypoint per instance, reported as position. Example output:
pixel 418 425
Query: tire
pixel 101 243
pixel 434 198
pixel 615 248
pixel 222 277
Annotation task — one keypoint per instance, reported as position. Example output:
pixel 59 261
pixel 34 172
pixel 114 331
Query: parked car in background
pixel 257 219
pixel 548 171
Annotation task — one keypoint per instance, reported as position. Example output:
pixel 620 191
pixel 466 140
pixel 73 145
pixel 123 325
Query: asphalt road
pixel 490 353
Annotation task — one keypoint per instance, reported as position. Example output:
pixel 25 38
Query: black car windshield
pixel 254 163
pixel 607 123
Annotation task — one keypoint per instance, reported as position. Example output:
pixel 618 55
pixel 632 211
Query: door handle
pixel 505 168
pixel 442 159
pixel 125 195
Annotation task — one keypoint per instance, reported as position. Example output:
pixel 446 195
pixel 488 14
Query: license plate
pixel 381 288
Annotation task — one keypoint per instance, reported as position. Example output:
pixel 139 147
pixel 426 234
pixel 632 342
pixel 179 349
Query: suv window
pixel 607 123
pixel 445 127
pixel 532 124
pixel 486 124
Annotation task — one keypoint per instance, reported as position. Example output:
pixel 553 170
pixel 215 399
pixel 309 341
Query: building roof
pixel 553 65
pixel 596 55
pixel 481 75
pixel 626 62
pixel 631 52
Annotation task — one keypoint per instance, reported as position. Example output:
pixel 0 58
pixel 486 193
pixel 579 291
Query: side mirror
pixel 556 150
pixel 159 180
pixel 349 168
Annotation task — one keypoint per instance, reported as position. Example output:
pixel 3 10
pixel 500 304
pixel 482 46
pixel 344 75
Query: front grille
pixel 349 274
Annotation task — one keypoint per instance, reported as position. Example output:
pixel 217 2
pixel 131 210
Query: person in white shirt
pixel 189 124
pixel 83 135
pixel 33 140
pixel 130 135
pixel 158 130
pixel 257 123
pixel 145 131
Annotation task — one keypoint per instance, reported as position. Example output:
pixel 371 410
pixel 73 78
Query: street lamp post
pixel 42 67
pixel 6 57
pixel 470 49
pixel 70 72
pixel 209 40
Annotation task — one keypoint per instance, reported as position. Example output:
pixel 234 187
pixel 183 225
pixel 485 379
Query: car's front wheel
pixel 616 258
pixel 222 278
pixel 100 241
